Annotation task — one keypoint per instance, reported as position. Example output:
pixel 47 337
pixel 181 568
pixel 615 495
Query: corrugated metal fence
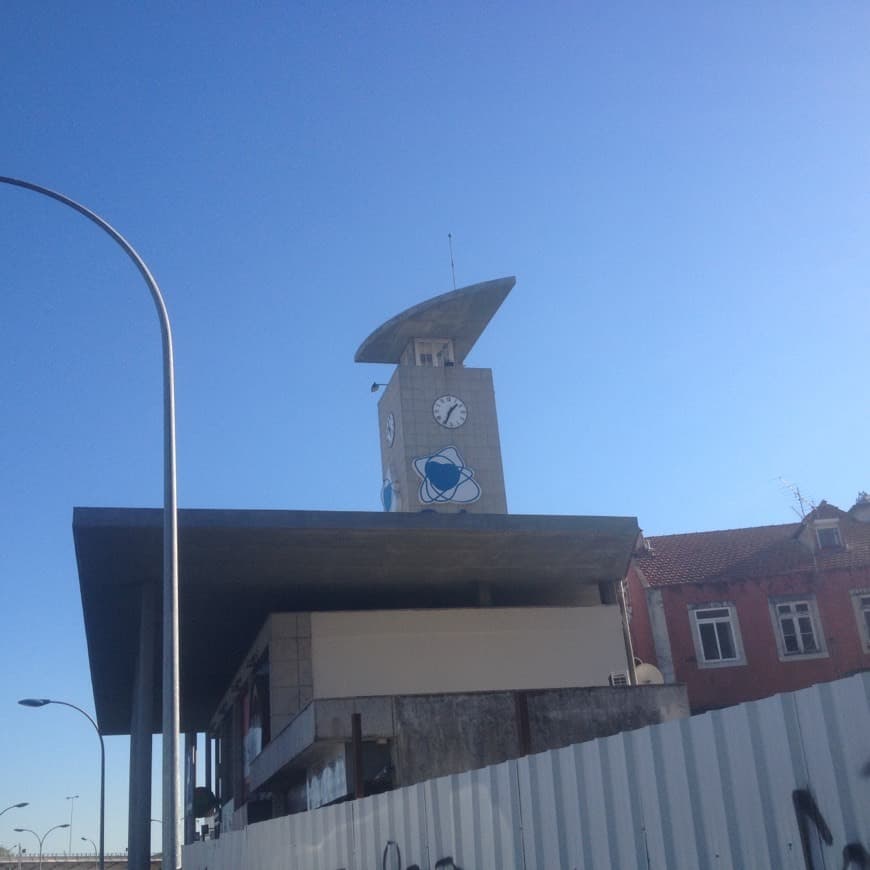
pixel 779 783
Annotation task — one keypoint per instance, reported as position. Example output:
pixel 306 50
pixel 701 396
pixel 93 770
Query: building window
pixel 717 635
pixel 798 631
pixel 861 603
pixel 828 534
pixel 433 353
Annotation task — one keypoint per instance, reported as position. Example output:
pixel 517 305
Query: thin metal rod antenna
pixel 452 269
pixel 171 705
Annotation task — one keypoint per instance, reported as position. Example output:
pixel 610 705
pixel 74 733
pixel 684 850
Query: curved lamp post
pixel 171 716
pixel 89 840
pixel 41 702
pixel 41 839
pixel 15 807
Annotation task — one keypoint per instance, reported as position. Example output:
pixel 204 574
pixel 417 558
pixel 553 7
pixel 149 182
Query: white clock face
pixel 449 412
pixel 390 430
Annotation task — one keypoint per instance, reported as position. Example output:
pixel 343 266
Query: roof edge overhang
pixel 238 566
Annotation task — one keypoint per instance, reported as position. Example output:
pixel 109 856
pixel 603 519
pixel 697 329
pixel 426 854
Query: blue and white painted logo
pixel 390 494
pixel 445 477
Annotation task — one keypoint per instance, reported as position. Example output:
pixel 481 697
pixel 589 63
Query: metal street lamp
pixel 41 839
pixel 15 807
pixel 171 704
pixel 89 840
pixel 41 702
pixel 72 802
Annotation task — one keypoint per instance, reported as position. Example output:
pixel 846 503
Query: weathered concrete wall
pixel 409 397
pixel 441 734
pixel 403 652
pixel 560 717
pixel 438 735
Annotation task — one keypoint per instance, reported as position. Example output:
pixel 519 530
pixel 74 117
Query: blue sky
pixel 681 190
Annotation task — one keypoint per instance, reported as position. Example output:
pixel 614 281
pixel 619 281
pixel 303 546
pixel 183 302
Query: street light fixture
pixel 89 840
pixel 41 839
pixel 171 704
pixel 42 702
pixel 72 802
pixel 15 807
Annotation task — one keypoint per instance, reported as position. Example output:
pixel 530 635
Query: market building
pixel 326 654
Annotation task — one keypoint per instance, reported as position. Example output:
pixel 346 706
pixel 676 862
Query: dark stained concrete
pixel 437 735
pixel 441 734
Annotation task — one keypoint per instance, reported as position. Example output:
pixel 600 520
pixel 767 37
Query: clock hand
pixel 452 409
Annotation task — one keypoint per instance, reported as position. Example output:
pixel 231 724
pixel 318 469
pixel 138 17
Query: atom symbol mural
pixel 390 496
pixel 445 477
pixel 388 499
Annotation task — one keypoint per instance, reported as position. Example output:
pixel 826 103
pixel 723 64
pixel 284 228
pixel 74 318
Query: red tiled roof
pixel 754 552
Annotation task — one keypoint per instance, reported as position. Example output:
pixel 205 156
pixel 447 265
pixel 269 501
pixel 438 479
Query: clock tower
pixel 438 427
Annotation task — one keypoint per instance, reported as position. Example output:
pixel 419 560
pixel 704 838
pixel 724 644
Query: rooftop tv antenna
pixel 452 269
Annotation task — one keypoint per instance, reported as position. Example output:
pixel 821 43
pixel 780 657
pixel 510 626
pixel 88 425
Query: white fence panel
pixel 833 723
pixel 390 830
pixel 265 846
pixel 474 819
pixel 321 839
pixel 779 784
pixel 227 853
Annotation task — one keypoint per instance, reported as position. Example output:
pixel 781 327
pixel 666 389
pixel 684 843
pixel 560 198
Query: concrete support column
pixel 141 726
pixel 189 786
pixel 219 772
pixel 208 775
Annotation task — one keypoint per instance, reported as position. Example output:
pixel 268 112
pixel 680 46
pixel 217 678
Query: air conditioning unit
pixel 619 678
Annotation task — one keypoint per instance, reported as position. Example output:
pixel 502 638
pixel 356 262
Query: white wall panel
pixel 410 652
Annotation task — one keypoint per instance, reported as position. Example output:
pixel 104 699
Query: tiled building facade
pixel 741 614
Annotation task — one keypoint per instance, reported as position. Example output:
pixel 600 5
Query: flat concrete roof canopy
pixel 236 567
pixel 461 315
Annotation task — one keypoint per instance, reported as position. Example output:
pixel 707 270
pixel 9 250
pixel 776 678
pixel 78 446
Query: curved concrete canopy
pixel 460 314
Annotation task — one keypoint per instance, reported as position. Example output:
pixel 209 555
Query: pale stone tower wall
pixel 409 397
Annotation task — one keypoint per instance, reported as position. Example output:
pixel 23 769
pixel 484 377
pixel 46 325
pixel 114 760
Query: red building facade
pixel 741 614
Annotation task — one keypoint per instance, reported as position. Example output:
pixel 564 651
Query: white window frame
pixel 828 525
pixel 794 602
pixel 861 604
pixel 698 616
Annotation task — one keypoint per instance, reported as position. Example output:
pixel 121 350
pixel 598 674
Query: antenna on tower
pixel 452 268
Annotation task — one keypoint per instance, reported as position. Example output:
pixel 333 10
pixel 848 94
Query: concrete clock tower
pixel 439 432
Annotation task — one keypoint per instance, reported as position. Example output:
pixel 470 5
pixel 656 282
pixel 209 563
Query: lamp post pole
pixel 41 839
pixel 41 702
pixel 14 807
pixel 72 802
pixel 96 854
pixel 171 704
